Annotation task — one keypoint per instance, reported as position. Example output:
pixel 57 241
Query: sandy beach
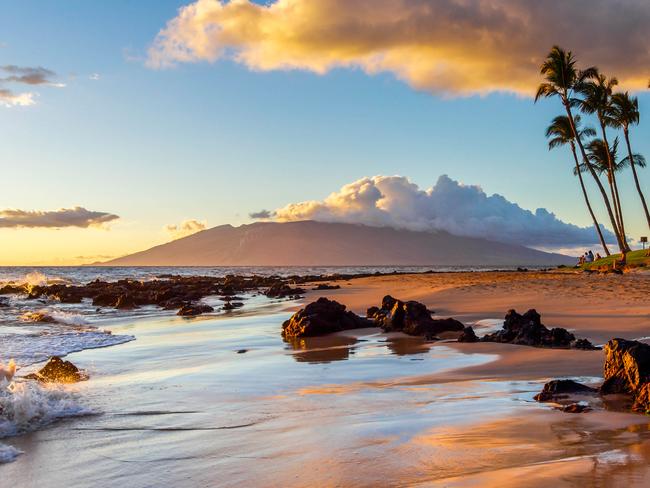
pixel 223 401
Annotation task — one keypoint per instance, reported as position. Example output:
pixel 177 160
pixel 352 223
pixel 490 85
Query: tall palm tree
pixel 560 133
pixel 604 163
pixel 562 76
pixel 597 90
pixel 625 112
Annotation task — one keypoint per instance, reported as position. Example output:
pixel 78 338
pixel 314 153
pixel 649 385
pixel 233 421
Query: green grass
pixel 633 259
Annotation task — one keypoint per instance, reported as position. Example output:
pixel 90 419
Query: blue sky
pixel 215 141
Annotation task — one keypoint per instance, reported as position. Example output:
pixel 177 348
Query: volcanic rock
pixel 322 317
pixel 556 389
pixel 193 309
pixel 58 371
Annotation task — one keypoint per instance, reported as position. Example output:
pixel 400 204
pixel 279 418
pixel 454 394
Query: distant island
pixel 310 243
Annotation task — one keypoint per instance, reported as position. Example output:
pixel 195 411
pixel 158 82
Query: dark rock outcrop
pixel 125 302
pixel 528 330
pixel 627 370
pixel 322 317
pixel 194 309
pixel 58 371
pixel 232 305
pixel 468 335
pixel 326 286
pixel 282 290
pixel 557 389
pixel 411 317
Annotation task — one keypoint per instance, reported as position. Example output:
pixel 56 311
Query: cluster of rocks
pixel 411 317
pixel 283 290
pixel 322 317
pixel 528 330
pixel 171 292
pixel 626 372
pixel 326 316
pixel 58 371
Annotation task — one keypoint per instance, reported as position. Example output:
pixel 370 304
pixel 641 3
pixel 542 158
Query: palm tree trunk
pixel 636 178
pixel 584 192
pixel 617 232
pixel 616 199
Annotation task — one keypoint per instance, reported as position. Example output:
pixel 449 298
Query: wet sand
pixel 183 406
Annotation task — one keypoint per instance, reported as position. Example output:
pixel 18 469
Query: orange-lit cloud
pixel 185 228
pixel 64 217
pixel 454 47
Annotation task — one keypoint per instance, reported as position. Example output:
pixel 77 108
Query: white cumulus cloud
pixel 464 210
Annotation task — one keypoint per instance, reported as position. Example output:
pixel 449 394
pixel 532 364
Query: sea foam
pixel 26 406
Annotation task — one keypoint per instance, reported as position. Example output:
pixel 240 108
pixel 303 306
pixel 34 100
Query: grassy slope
pixel 633 259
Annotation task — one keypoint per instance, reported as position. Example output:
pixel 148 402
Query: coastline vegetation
pixel 591 93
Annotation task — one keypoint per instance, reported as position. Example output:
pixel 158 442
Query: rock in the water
pixel 282 290
pixel 193 309
pixel 411 318
pixel 232 305
pixel 468 335
pixel 561 389
pixel 627 370
pixel 576 408
pixel 584 344
pixel 41 317
pixel 125 302
pixel 58 371
pixel 322 317
pixel 528 330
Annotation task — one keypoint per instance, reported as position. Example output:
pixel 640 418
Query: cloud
pixel 94 76
pixel 454 47
pixel 262 214
pixel 29 76
pixel 65 217
pixel 9 98
pixel 464 210
pixel 185 228
pixel 24 76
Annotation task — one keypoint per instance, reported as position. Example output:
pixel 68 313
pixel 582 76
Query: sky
pixel 146 122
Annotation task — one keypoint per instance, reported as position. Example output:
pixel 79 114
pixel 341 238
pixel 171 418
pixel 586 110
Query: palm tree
pixel 597 90
pixel 562 76
pixel 625 112
pixel 604 163
pixel 560 133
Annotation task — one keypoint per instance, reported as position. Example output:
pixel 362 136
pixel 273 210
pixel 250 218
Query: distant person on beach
pixel 581 260
pixel 590 257
pixel 598 256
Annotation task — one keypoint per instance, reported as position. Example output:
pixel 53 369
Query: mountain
pixel 310 243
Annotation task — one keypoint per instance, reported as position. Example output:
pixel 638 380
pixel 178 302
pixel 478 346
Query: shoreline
pixel 422 407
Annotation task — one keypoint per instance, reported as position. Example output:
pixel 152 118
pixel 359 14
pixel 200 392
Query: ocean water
pixel 84 274
pixel 77 327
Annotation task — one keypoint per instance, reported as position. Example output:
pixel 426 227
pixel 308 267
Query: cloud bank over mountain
pixel 455 47
pixel 464 210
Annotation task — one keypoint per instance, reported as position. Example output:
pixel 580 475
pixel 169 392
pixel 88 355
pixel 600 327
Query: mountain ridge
pixel 311 243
